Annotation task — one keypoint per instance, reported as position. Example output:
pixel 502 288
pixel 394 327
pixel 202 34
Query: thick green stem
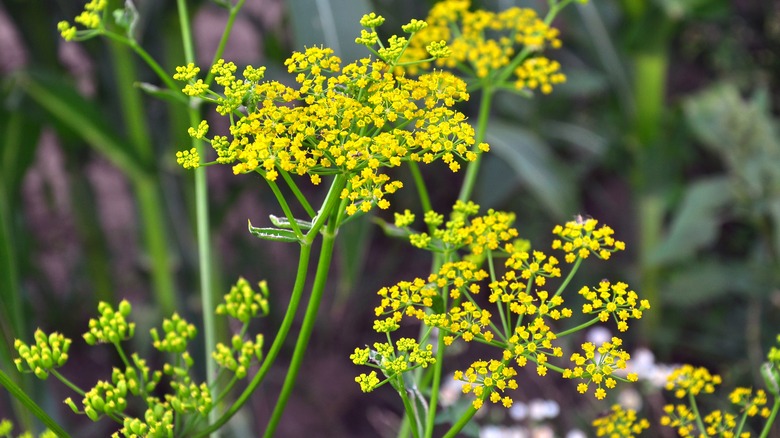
pixel 28 403
pixel 472 169
pixel 276 347
pixel 320 280
pixel 697 414
pixel 207 293
pixel 771 420
pixel 437 371
pixel 461 423
pixel 411 413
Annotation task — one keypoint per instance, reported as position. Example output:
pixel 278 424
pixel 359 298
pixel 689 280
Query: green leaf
pixel 391 230
pixel 85 118
pixel 274 234
pixel 162 93
pixel 334 23
pixel 283 222
pixel 696 223
pixel 19 140
pixel 533 165
pixel 20 395
pixel 704 281
pixel 127 18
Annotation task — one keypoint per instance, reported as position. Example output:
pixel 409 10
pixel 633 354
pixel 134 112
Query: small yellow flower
pixel 188 159
pixel 620 422
pixel 688 379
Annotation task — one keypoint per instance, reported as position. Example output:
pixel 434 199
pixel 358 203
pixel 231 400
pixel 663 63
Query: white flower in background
pixel 518 411
pixel 493 431
pixel 576 433
pixel 630 398
pixel 539 410
pixel 643 363
pixel 543 431
pixel 450 391
pixel 599 335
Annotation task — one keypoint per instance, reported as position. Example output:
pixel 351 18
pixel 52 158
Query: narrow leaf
pixel 274 234
pixel 283 222
pixel 83 117
pixel 697 220
pixel 36 410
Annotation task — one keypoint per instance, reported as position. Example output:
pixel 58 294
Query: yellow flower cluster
pixel 532 342
pixel 613 299
pixel 598 366
pixel 90 18
pixel 405 356
pixel 580 238
pixel 718 423
pixel 484 42
pixel 522 324
pixel 535 267
pixel 355 121
pixel 751 404
pixel 620 423
pixel 689 380
pixel 488 377
pixel 480 234
pixel 540 73
pixel 681 418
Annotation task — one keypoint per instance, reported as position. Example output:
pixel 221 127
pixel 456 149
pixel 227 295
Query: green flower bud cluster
pixel 771 370
pixel 49 352
pixel 243 303
pixel 157 422
pixel 6 427
pixel 239 357
pixel 190 397
pixel 105 398
pixel 178 333
pixel 111 326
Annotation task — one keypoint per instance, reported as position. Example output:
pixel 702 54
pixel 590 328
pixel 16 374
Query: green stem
pixel 422 189
pixel 770 421
pixel 207 293
pixel 320 280
pixel 67 382
pixel 437 371
pixel 297 192
pixel 472 169
pixel 461 423
pixel 276 347
pixel 143 54
pixel 411 412
pixel 578 328
pixel 224 39
pixel 695 410
pixel 566 282
pixel 19 394
pixel 285 208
